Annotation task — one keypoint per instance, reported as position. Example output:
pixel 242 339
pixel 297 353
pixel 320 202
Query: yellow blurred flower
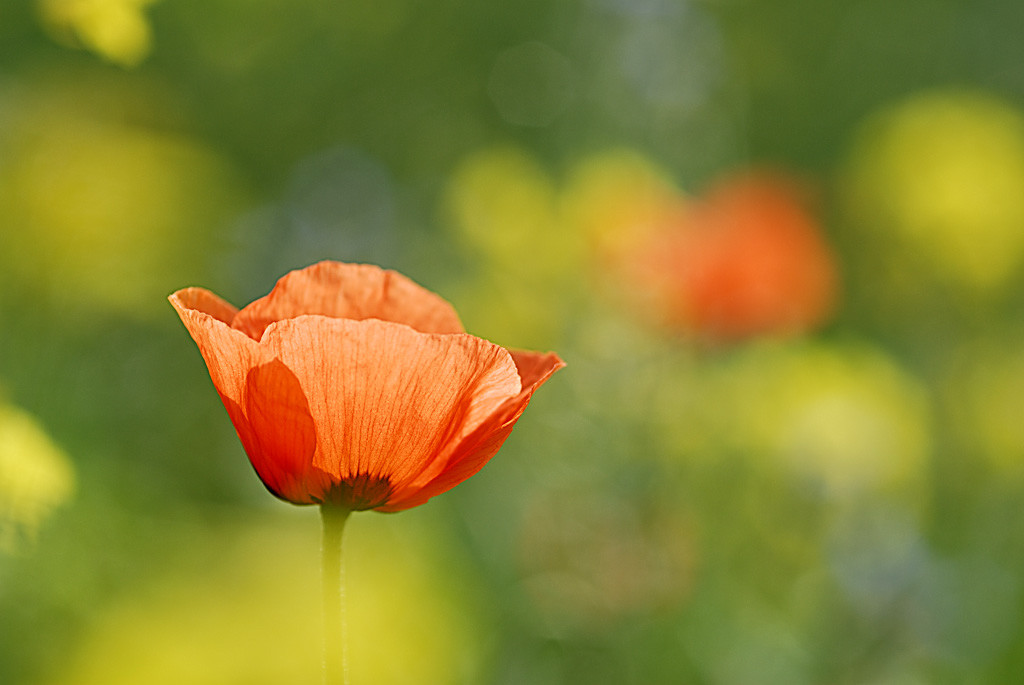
pixel 616 199
pixel 941 175
pixel 984 396
pixel 36 476
pixel 543 245
pixel 845 420
pixel 504 205
pixel 105 213
pixel 248 611
pixel 114 29
pixel 503 208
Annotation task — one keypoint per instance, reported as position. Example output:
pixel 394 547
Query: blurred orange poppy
pixel 748 259
pixel 353 386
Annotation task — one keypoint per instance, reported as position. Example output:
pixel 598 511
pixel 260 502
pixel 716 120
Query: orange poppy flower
pixel 351 385
pixel 748 259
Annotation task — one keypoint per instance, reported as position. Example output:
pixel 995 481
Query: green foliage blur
pixel 839 502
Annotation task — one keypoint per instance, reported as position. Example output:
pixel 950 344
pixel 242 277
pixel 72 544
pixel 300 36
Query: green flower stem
pixel 333 581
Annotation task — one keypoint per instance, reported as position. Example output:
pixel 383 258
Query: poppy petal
pixel 228 354
pixel 278 434
pixel 387 400
pixel 204 302
pixel 477 448
pixel 349 291
pixel 233 360
pixel 535 367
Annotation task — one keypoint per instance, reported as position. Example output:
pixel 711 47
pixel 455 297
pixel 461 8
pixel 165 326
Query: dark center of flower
pixel 359 492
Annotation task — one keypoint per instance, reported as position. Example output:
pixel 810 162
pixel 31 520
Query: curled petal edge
pixel 477 448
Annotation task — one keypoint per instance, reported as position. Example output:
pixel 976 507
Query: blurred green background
pixel 763 464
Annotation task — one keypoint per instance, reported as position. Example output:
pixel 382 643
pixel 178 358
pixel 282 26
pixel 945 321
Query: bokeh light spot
pixel 939 177
pixel 117 30
pixel 36 476
pixel 845 420
pixel 248 612
pixel 104 214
